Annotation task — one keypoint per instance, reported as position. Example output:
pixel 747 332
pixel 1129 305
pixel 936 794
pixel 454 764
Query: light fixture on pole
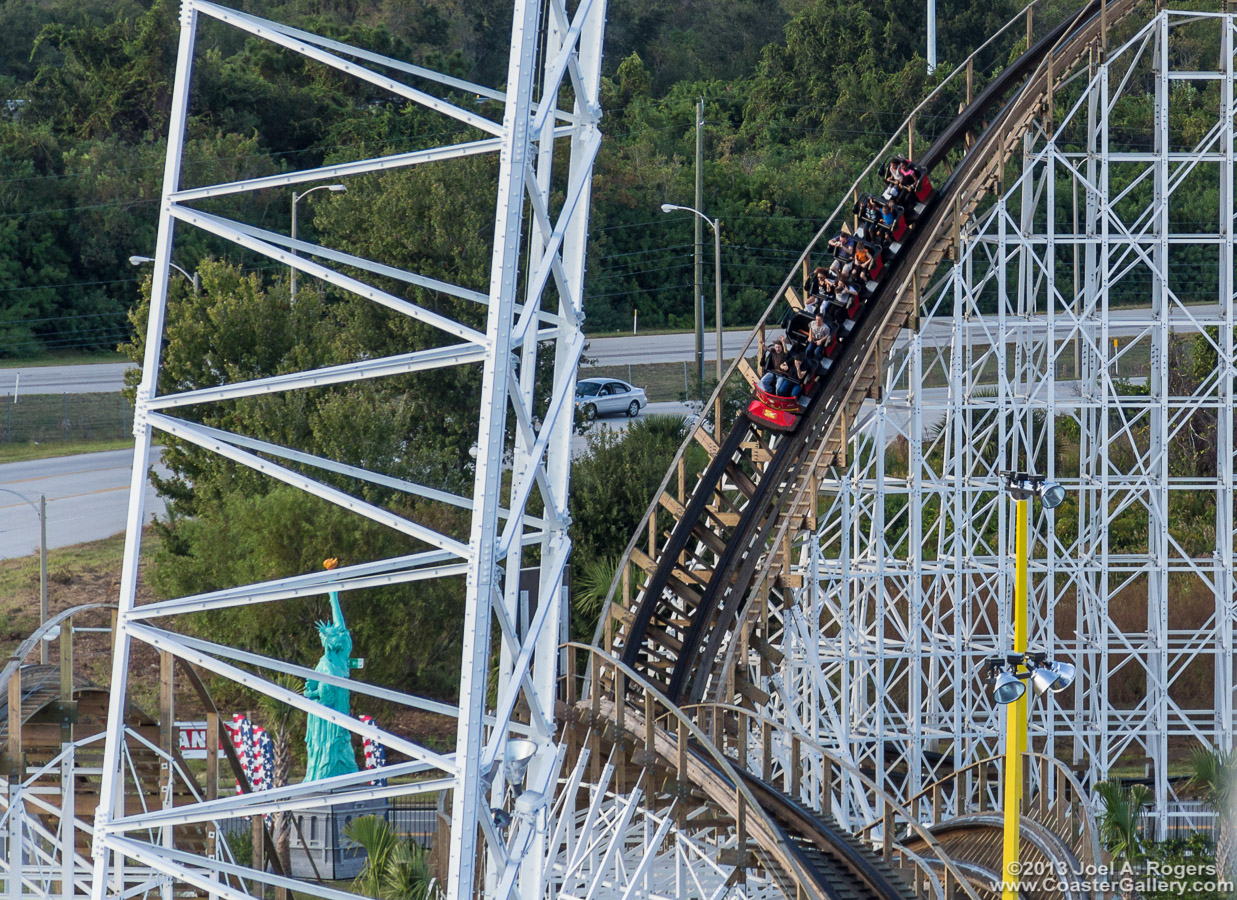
pixel 41 512
pixel 1054 677
pixel 194 279
pixel 297 198
pixel 517 754
pixel 1007 676
pixel 716 225
pixel 1022 487
pixel 1006 686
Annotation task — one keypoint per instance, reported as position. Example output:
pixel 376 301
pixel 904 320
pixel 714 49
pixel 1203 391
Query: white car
pixel 608 396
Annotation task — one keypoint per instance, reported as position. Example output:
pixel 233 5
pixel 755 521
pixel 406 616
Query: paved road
pixel 93 378
pixel 88 495
pixel 87 499
pixel 629 350
pixel 579 443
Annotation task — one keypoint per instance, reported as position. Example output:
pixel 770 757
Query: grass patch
pixel 62 418
pixel 64 359
pixel 22 452
pixel 82 573
pixel 662 382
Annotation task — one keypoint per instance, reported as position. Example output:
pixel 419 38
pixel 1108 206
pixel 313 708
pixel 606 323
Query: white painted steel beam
pixel 533 308
pixel 284 37
pixel 339 170
pixel 905 582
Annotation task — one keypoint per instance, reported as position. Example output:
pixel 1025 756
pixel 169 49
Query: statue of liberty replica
pixel 329 746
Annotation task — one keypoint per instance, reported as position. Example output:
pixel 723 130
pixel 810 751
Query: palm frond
pixel 375 836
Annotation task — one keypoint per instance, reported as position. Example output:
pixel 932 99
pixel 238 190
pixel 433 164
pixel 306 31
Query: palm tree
pixel 375 836
pixel 1215 771
pixel 591 582
pixel 394 870
pixel 281 720
pixel 1120 818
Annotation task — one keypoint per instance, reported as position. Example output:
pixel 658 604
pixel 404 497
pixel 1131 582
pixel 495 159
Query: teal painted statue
pixel 329 746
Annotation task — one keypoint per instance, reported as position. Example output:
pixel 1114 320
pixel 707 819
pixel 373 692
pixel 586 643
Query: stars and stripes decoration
pixel 262 756
pixel 375 753
pixel 256 751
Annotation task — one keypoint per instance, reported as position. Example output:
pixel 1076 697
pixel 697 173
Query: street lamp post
pixel 297 198
pixel 41 511
pixel 1021 487
pixel 194 279
pixel 716 225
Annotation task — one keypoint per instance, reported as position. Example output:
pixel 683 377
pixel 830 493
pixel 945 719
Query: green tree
pixel 611 488
pixel 110 80
pixel 1120 821
pixel 394 869
pixel 229 524
pixel 1215 772
pixel 282 721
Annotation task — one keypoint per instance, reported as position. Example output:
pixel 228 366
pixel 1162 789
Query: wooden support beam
pixel 212 755
pixel 15 723
pixel 748 373
pixel 826 787
pixel 796 751
pixel 706 441
pixel 66 660
pixel 740 822
pixel 167 710
pixel 675 508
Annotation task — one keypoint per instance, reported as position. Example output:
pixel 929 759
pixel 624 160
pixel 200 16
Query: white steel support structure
pixel 1085 332
pixel 532 308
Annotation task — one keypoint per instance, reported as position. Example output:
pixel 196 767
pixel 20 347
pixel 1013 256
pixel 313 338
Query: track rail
pixel 808 853
pixel 728 534
pixel 677 611
pixel 976 841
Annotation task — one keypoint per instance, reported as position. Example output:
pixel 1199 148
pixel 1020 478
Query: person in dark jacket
pixel 778 364
pixel 815 289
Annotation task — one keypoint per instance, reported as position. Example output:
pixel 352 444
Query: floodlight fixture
pixel 1007 688
pixel 1024 486
pixel 1066 673
pixel 517 754
pixel 1042 679
pixel 1051 494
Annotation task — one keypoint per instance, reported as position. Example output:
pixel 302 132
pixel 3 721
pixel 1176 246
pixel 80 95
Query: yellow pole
pixel 1016 712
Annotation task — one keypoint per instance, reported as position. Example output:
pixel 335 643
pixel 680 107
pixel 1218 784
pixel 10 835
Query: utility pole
pixel 931 36
pixel 43 651
pixel 698 295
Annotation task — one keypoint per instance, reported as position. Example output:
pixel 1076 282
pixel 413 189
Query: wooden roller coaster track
pixel 712 559
pixel 695 582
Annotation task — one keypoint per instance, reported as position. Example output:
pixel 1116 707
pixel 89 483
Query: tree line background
pixel 798 95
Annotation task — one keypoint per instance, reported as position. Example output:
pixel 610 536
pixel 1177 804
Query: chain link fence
pixel 59 418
